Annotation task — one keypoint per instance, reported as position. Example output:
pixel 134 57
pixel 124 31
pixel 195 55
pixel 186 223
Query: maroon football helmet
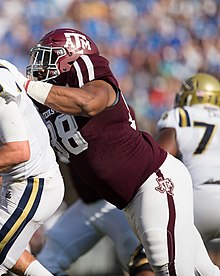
pixel 56 52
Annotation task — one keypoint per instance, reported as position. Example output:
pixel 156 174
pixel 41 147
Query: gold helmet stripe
pixel 184 120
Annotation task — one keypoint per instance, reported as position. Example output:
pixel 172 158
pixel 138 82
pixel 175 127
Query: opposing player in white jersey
pixel 192 129
pixel 32 185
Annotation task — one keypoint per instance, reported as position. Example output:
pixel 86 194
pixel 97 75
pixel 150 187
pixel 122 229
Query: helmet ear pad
pixel 60 80
pixel 64 63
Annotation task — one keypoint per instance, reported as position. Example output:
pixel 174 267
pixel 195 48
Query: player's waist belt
pixel 212 182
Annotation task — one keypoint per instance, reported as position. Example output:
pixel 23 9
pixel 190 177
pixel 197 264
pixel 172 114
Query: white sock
pixel 36 269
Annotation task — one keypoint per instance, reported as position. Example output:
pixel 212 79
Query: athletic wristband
pixel 38 90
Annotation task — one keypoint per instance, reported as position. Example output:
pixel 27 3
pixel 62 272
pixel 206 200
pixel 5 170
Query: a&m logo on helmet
pixel 80 43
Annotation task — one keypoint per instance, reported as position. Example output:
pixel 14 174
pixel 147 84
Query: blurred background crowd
pixel 152 46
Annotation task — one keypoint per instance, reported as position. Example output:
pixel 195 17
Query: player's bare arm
pixel 13 153
pixel 89 100
pixel 14 146
pixel 167 140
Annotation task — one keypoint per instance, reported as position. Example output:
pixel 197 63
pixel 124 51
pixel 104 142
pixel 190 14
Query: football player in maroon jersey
pixel 91 125
pixel 88 220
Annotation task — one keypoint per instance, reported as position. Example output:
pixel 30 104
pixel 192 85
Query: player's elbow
pixel 91 106
pixel 95 97
pixel 90 110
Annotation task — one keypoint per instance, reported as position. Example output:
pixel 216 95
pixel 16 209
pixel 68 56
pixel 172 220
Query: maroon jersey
pixel 106 151
pixel 85 192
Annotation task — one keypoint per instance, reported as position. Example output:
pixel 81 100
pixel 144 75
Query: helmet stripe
pixel 84 70
pixel 79 73
pixel 184 120
pixel 89 66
